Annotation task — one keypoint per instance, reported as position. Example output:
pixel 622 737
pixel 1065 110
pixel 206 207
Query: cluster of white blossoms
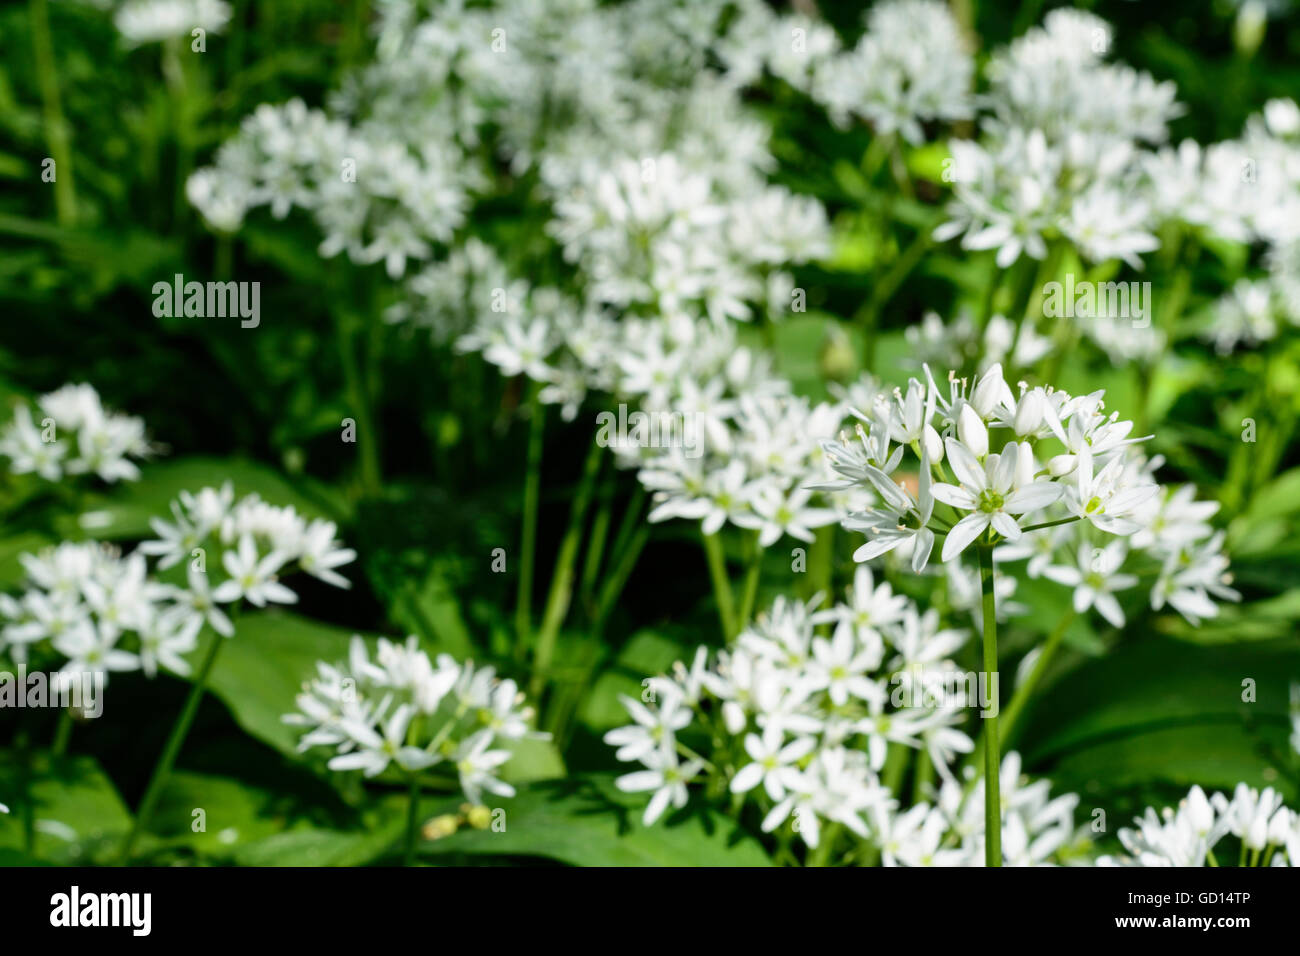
pixel 98 611
pixel 1045 476
pixel 246 547
pixel 911 66
pixel 1062 149
pixel 152 21
pixel 1175 550
pixel 802 711
pixel 107 612
pixel 375 196
pixel 1267 833
pixel 1248 190
pixel 987 455
pixel 403 709
pixel 76 436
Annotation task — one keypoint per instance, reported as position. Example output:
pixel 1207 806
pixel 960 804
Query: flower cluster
pixel 1267 832
pixel 910 67
pixel 802 712
pixel 87 604
pixel 1062 151
pixel 76 436
pixel 991 462
pixel 401 708
pixel 257 544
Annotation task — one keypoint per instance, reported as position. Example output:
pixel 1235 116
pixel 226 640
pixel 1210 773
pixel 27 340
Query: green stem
pixel 557 601
pixel 613 586
pixel 56 125
pixel 1026 688
pixel 367 438
pixel 721 584
pixel 528 536
pixel 596 544
pixel 164 766
pixel 1050 524
pixel 412 821
pixel 62 733
pixel 992 756
pixel 750 592
pixel 822 855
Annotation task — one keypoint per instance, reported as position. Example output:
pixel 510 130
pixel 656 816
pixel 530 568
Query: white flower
pixel 252 577
pixel 476 764
pixel 994 493
pixel 376 751
pixel 666 777
pixel 773 762
pixel 1095 579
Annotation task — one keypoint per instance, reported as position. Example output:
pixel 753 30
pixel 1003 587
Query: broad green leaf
pixel 79 816
pixel 261 670
pixel 1162 710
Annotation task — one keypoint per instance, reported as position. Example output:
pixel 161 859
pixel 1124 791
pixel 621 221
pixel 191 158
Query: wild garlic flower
pixel 404 710
pixel 1063 151
pixel 910 67
pixel 804 714
pixel 1175 550
pixel 76 435
pixel 1263 832
pixel 254 543
pixel 993 464
pixel 97 611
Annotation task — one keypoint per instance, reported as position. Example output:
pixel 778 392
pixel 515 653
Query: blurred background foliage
pixel 1125 722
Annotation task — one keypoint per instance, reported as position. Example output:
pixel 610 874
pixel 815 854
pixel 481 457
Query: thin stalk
pixel 412 821
pixel 164 766
pixel 750 592
pixel 1026 688
pixel 596 544
pixel 822 855
pixel 349 325
pixel 62 733
pixel 557 601
pixel 721 584
pixel 56 125
pixel 992 756
pixel 613 586
pixel 528 535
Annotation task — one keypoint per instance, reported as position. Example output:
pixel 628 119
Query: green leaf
pixel 587 822
pixel 1160 710
pixel 261 669
pixel 80 818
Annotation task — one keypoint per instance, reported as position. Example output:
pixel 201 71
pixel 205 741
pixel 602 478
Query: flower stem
pixel 164 766
pixel 557 601
pixel 721 584
pixel 62 732
pixel 412 821
pixel 992 757
pixel 1026 688
pixel 750 593
pixel 528 536
pixel 56 125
